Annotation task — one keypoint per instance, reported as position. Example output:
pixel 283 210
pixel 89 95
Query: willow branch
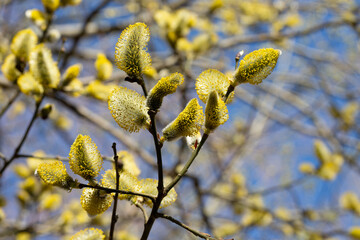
pixel 22 141
pixel 114 217
pixel 193 231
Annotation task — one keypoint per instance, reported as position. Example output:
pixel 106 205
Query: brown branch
pixel 177 222
pixel 18 148
pixel 114 217
pixel 258 38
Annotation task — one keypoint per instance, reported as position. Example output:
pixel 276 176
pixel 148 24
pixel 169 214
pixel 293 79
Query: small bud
pixel 51 5
pixel 193 141
pixel 22 43
pixel 94 201
pixel 256 66
pixel 38 17
pixel 130 50
pixel 85 158
pixel 45 111
pixel 89 233
pixel 71 73
pixel 53 35
pixel 216 112
pixel 163 87
pixel 188 123
pixel 129 110
pixel 54 173
pixel 103 67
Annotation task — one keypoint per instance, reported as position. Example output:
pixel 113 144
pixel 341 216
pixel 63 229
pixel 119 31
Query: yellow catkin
pixel 29 86
pixel 94 201
pixel 51 5
pixel 149 186
pixel 9 69
pixel 89 234
pixel 216 112
pixel 54 173
pixel 256 66
pixel 128 108
pixel 37 16
pixel 43 67
pixel 103 67
pixel 165 86
pixel 127 182
pixel 212 80
pixel 71 73
pixel 130 50
pixel 85 158
pixel 129 163
pixel 23 42
pixel 188 123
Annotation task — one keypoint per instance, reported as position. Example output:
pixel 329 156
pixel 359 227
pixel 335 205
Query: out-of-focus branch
pixel 233 41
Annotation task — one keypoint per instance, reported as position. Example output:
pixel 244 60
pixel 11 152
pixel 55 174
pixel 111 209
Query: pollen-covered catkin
pixel 85 158
pixel 216 112
pixel 54 173
pixel 165 86
pixel 130 50
pixel 129 110
pixel 188 123
pixel 256 66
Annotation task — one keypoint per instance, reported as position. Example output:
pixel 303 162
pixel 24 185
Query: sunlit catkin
pixel 85 158
pixel 43 68
pixel 163 87
pixel 89 234
pixel 51 5
pixel 212 80
pixel 216 112
pixel 95 201
pixel 256 66
pixel 22 43
pixel 130 50
pixel 129 110
pixel 54 173
pixel 188 123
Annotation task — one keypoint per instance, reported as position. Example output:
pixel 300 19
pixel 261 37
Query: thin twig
pixel 114 217
pixel 11 101
pixel 196 233
pixel 138 205
pixel 187 165
pixel 160 187
pixel 18 148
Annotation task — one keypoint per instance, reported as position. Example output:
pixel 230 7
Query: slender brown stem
pixel 114 217
pixel 11 101
pixel 161 193
pixel 193 231
pixel 187 165
pixel 18 148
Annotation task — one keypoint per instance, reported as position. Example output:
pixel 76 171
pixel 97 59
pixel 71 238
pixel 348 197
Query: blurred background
pixel 284 166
